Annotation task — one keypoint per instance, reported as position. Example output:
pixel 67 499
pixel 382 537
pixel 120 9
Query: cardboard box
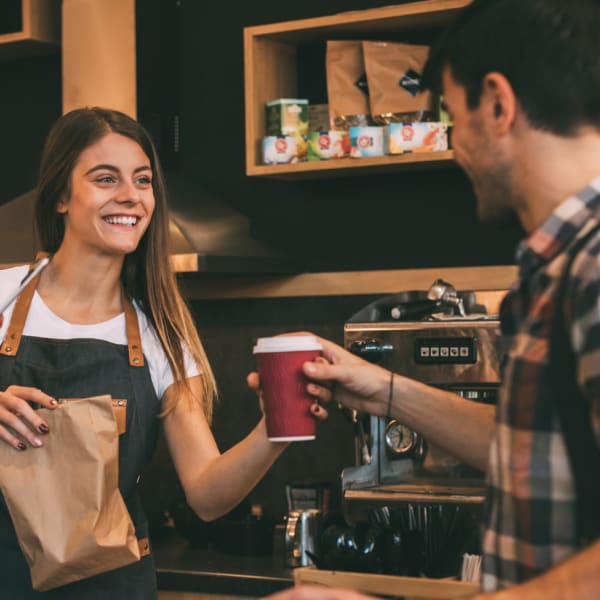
pixel 287 116
pixel 324 145
pixel 318 117
pixel 366 141
pixel 416 137
pixel 410 588
pixel 279 149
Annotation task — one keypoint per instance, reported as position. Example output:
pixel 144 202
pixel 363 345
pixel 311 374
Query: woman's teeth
pixel 131 221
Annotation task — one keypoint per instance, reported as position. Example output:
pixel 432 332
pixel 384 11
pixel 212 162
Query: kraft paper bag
pixel 395 89
pixel 63 498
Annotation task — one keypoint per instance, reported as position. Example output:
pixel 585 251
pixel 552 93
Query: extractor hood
pixel 99 69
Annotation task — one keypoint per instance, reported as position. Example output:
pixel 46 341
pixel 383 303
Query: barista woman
pixel 107 315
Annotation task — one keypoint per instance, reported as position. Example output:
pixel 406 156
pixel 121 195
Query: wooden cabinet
pixel 29 27
pixel 271 71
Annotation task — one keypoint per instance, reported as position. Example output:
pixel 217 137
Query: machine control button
pixel 445 350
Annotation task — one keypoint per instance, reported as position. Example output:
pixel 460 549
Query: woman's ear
pixel 62 205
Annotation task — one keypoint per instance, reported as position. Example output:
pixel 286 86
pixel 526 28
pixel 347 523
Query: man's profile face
pixel 477 151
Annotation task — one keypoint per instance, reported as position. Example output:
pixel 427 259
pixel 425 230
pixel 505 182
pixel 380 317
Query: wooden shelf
pixel 40 31
pixel 270 72
pixel 354 166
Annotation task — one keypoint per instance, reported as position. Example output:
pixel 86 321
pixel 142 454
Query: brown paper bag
pixel 347 92
pixel 394 74
pixel 63 498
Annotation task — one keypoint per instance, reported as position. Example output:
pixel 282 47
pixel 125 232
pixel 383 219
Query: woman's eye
pixel 145 180
pixel 106 179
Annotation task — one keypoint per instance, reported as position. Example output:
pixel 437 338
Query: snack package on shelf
pixel 366 141
pixel 347 89
pixel 280 149
pixel 324 145
pixel 287 116
pixel 318 118
pixel 416 137
pixel 394 74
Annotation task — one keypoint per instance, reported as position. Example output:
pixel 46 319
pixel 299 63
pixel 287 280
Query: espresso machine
pixel 441 337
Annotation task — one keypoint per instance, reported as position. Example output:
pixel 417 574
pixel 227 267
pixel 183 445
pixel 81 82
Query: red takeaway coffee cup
pixel 285 399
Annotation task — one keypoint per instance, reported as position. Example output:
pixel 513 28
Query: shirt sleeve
pixel 585 329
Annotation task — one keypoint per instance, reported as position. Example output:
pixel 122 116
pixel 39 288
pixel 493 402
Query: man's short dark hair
pixel 549 50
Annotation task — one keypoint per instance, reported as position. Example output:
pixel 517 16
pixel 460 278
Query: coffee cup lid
pixel 288 343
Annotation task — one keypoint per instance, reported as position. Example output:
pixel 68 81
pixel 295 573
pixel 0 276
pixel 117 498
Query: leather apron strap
pixel 10 345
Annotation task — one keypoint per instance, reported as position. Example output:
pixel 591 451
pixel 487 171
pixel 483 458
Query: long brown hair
pixel 147 276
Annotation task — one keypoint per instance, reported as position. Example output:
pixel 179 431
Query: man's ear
pixel 499 101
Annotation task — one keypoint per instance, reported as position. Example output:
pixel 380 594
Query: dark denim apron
pixel 74 369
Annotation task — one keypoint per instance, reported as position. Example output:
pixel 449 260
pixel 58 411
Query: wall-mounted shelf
pixel 344 167
pixel 36 32
pixel 271 71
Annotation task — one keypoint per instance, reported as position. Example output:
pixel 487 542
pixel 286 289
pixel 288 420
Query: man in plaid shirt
pixel 521 81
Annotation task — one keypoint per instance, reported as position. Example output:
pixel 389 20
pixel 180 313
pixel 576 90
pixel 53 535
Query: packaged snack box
pixel 287 116
pixel 279 149
pixel 416 137
pixel 323 145
pixel 366 141
pixel 318 117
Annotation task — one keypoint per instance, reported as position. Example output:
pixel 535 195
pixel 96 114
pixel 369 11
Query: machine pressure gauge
pixel 399 439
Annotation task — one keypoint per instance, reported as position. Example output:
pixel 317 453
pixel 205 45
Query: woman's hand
pixel 253 381
pixel 19 423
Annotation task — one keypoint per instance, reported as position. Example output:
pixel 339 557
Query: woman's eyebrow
pixel 102 167
pixel 106 167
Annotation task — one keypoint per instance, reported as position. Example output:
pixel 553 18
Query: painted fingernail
pixel 21 446
pixel 53 402
pixel 43 428
pixel 37 442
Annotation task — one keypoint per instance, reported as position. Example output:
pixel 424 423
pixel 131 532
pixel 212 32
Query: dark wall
pixel 30 100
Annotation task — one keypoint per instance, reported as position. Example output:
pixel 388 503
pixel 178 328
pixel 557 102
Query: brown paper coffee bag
pixel 394 74
pixel 347 90
pixel 64 500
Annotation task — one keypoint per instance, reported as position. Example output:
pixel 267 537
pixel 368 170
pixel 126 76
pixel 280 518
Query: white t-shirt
pixel 42 322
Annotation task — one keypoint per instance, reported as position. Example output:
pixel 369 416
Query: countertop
pixel 181 566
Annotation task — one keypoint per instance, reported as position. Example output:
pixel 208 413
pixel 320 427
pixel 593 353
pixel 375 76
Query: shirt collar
pixel 555 233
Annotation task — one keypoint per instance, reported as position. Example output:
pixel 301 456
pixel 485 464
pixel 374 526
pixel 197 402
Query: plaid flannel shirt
pixel 531 497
